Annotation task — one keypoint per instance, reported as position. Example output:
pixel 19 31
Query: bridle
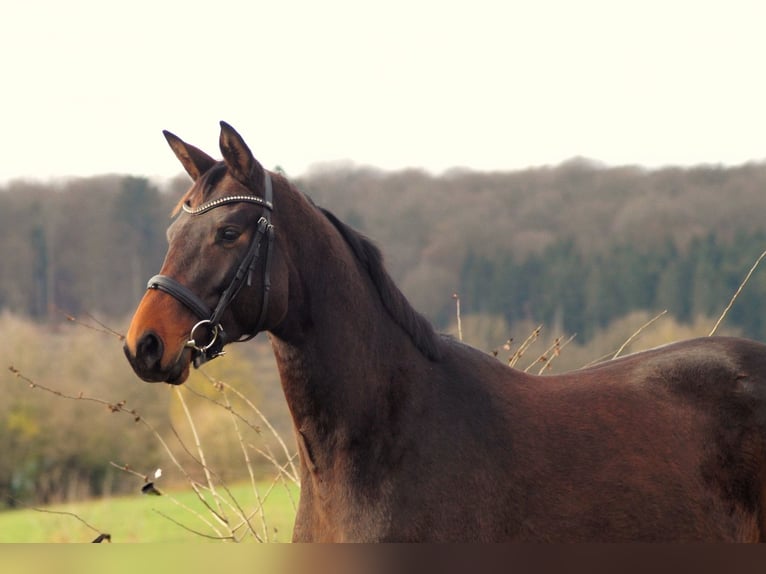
pixel 212 318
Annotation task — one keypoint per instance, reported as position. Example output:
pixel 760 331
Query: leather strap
pixel 180 292
pixel 243 274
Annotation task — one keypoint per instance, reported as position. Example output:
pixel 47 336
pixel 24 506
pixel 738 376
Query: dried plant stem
pixel 614 354
pixel 192 530
pixel 231 502
pixel 294 476
pixel 638 331
pixel 128 469
pixel 201 452
pixel 102 328
pixel 524 346
pixel 120 407
pixel 550 354
pixel 101 533
pixel 456 297
pixel 736 294
pixel 249 465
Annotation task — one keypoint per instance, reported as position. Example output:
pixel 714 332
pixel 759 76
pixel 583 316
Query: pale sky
pixel 87 86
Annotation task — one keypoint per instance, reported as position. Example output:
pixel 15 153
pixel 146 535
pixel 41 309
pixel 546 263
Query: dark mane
pixel 414 324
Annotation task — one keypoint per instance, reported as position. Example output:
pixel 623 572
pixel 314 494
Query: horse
pixel 408 435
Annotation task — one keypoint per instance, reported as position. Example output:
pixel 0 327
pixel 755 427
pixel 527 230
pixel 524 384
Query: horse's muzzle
pixel 147 361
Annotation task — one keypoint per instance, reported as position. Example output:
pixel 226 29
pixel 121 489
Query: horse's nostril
pixel 149 349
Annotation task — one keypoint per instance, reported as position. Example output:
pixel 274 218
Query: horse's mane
pixel 414 324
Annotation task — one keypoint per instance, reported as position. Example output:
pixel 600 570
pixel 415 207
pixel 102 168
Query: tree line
pixel 83 246
pixel 581 293
pixel 577 243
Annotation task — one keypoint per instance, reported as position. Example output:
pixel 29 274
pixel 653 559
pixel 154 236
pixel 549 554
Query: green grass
pixel 138 519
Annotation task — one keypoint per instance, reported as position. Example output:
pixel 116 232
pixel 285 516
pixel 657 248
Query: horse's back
pixel 664 444
pixel 723 376
pixel 667 444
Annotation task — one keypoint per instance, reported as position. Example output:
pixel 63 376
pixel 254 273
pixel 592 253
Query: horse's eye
pixel 228 234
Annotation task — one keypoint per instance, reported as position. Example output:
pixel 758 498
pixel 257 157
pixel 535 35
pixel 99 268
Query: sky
pixel 88 86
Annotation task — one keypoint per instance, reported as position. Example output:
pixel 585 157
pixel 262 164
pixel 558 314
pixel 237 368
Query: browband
pixel 205 207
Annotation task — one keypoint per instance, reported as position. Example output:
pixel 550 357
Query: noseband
pixel 212 318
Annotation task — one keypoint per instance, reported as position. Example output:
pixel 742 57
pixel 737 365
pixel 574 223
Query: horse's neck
pixel 344 352
pixel 338 349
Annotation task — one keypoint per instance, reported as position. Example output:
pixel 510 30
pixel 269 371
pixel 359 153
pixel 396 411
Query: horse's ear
pixel 238 157
pixel 195 161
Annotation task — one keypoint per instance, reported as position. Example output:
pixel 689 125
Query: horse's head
pixel 222 278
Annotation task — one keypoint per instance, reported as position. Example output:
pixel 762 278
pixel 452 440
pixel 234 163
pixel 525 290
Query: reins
pixel 212 319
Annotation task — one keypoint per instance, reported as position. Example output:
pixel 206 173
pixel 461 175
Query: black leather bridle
pixel 201 353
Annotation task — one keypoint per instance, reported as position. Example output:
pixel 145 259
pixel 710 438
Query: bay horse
pixel 407 435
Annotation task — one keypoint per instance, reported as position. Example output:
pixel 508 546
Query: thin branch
pixel 524 346
pixel 249 466
pixel 201 452
pixel 102 328
pixel 637 333
pixel 232 502
pixel 555 351
pixel 282 468
pixel 614 354
pixel 120 407
pixel 736 294
pixel 221 384
pixel 225 406
pixel 192 530
pixel 101 533
pixel 128 469
pixel 456 297
pixel 218 514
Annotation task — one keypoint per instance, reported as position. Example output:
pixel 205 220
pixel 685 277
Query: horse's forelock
pixel 203 187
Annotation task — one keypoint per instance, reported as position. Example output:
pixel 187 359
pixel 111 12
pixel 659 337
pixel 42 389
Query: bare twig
pixel 200 451
pixel 637 333
pixel 102 328
pixel 193 531
pixel 231 502
pixel 128 469
pixel 614 354
pixel 249 466
pixel 524 346
pixel 289 457
pixel 120 407
pixel 216 509
pixel 101 533
pixel 736 294
pixel 456 297
pixel 267 454
pixel 225 406
pixel 550 354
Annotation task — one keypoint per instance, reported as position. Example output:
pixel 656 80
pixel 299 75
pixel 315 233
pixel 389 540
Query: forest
pixel 577 245
pixel 581 248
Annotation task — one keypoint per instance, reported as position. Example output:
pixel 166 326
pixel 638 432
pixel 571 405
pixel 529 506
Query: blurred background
pixel 581 166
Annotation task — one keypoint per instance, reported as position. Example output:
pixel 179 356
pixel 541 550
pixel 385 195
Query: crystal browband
pixel 205 207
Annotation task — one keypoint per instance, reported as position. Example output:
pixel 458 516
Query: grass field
pixel 140 518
